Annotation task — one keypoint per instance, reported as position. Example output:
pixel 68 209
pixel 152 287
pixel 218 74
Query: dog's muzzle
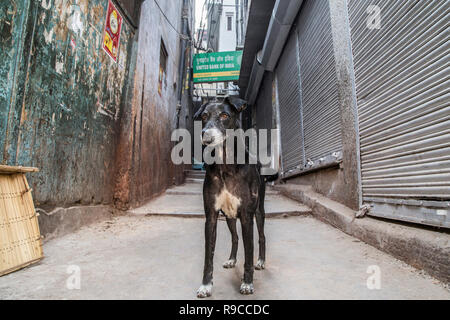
pixel 212 137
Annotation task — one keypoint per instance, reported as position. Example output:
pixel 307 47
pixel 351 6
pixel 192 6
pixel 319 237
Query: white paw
pixel 204 291
pixel 247 288
pixel 229 264
pixel 260 265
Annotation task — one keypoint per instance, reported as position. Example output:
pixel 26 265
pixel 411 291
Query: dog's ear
pixel 237 103
pixel 198 114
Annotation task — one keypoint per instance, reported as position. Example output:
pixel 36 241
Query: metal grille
pixel 321 118
pixel 290 107
pixel 403 90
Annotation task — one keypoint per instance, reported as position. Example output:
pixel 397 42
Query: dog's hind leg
pixel 234 244
pixel 247 235
pixel 260 217
pixel 262 241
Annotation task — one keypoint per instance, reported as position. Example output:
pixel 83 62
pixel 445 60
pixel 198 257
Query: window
pixel 229 23
pixel 162 67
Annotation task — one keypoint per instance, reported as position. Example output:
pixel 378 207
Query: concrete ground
pixel 161 257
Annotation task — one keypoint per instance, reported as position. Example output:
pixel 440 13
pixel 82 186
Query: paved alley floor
pixel 153 257
pixel 187 200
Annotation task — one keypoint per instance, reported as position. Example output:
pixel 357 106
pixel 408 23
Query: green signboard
pixel 217 66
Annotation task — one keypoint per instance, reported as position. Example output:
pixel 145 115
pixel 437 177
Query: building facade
pixel 98 129
pixel 359 91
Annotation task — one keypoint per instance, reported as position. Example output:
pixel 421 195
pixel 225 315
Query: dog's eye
pixel 224 116
pixel 204 117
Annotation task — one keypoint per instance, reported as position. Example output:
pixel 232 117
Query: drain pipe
pixel 283 16
pixel 182 61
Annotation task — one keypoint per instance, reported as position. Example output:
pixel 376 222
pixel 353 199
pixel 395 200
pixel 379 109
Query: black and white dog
pixel 236 190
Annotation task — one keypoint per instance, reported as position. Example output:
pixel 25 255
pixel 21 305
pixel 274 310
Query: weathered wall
pixel 144 167
pixel 12 23
pixel 329 182
pixel 61 106
pixel 98 130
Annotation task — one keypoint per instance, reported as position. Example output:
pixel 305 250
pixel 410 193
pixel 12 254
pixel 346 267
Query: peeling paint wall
pixel 99 131
pixel 61 97
pixel 12 23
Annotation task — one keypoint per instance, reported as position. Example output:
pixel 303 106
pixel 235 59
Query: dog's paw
pixel 204 291
pixel 229 264
pixel 247 288
pixel 260 265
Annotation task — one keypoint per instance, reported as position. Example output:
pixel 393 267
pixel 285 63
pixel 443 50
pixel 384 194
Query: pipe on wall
pixel 256 77
pixel 182 64
pixel 283 15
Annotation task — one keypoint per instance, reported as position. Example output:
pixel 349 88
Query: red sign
pixel 111 34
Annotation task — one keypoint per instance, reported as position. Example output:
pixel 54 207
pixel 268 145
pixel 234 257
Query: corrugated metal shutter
pixel 307 94
pixel 402 78
pixel 321 118
pixel 288 80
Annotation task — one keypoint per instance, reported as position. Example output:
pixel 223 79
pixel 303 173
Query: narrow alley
pixel 140 140
pixel 147 255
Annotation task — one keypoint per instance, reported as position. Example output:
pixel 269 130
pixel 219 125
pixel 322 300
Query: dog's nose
pixel 208 138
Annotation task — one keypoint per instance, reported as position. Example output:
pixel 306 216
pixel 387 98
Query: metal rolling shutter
pixel 402 79
pixel 321 117
pixel 288 79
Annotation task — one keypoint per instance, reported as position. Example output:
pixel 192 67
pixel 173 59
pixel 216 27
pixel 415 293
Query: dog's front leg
pixel 247 236
pixel 234 244
pixel 205 289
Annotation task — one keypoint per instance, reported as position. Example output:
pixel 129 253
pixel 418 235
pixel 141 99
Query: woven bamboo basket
pixel 20 239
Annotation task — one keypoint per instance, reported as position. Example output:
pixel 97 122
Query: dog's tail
pixel 271 177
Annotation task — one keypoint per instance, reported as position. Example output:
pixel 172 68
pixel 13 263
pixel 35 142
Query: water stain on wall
pixel 64 117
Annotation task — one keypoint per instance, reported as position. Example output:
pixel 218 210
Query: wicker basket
pixel 20 239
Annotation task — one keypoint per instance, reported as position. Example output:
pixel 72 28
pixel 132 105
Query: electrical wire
pixel 200 37
pixel 183 36
pixel 210 15
pixel 210 4
pixel 217 23
pixel 210 19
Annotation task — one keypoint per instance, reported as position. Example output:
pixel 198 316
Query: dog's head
pixel 217 116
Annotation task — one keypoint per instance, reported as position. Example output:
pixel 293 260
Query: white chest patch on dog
pixel 228 203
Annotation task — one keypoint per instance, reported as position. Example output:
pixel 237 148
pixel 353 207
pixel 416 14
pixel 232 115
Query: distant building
pixel 226 24
pixel 226 21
